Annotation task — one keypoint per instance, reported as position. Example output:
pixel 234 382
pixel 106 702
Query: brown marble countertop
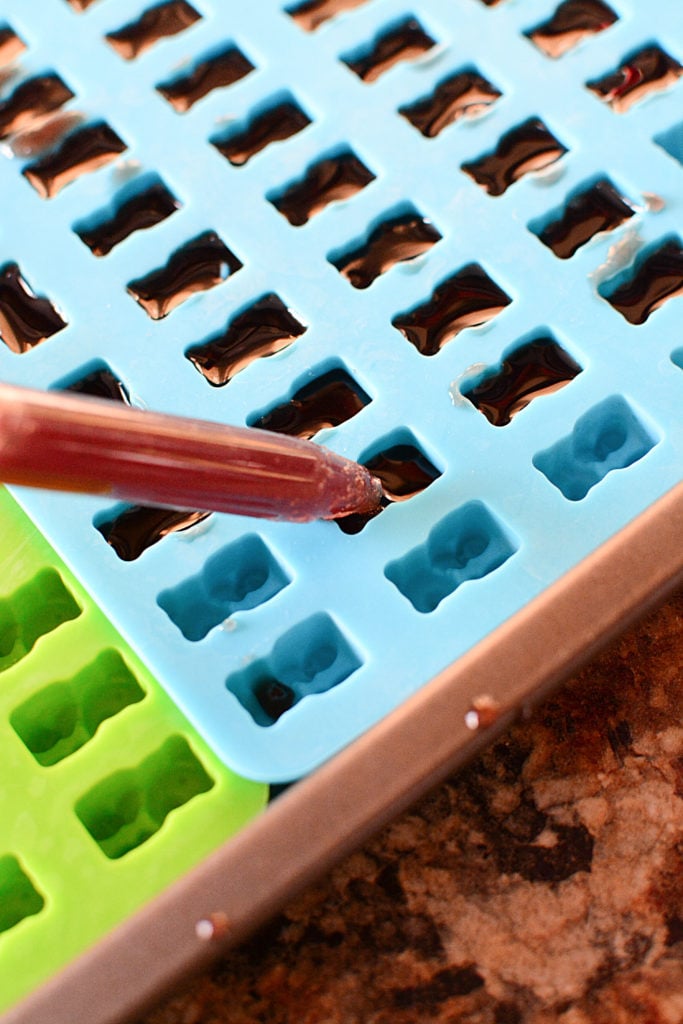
pixel 543 883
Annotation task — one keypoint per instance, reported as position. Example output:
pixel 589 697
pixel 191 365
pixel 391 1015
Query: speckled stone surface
pixel 542 884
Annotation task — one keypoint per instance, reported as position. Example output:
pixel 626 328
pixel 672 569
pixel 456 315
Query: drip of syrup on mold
pixel 137 528
pixel 330 180
pixel 570 24
pixel 601 208
pixel 465 95
pixel 82 151
pixel 263 329
pixel 198 265
pixel 407 41
pixel 468 299
pixel 395 241
pixel 159 22
pixel 526 148
pixel 142 211
pixel 327 401
pixel 217 72
pixel 539 368
pixel 274 125
pixel 26 320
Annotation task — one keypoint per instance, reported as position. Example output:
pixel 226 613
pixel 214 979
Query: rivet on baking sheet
pixel 483 712
pixel 215 926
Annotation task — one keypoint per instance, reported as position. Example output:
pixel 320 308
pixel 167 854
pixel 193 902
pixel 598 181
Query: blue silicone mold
pixel 339 628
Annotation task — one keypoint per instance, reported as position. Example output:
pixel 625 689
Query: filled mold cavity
pixel 141 205
pixel 26 319
pixel 469 298
pixel 19 897
pixel 468 544
pixel 464 95
pixel 61 718
pixel 216 70
pixel 402 468
pixel 641 74
pixel 311 14
pixel 398 238
pixel 126 809
pixel 96 380
pixel 32 100
pixel 155 23
pixel 33 610
pixel 327 400
pixel 654 279
pixel 241 576
pixel 671 141
pixel 80 152
pixel 200 264
pixel 405 41
pixel 570 24
pixel 528 147
pixel 539 366
pixel 332 179
pixel 309 659
pixel 11 45
pixel 133 529
pixel 261 329
pixel 589 211
pixel 607 437
pixel 278 120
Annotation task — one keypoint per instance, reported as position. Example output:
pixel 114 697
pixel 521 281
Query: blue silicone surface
pixel 352 624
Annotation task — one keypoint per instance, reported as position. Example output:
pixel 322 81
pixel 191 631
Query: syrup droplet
pixel 468 299
pixel 484 711
pixel 264 328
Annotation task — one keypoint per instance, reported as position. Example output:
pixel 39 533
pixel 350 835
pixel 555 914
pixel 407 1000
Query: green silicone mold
pixel 124 797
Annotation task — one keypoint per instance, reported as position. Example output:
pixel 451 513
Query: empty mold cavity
pixel 309 659
pixel 31 100
pixel 142 204
pixel 671 141
pixel 19 897
pixel 656 277
pixel 98 381
pixel 275 123
pixel 587 213
pixel 571 23
pixel 197 266
pixel 33 610
pixel 158 22
pixel 311 14
pixel 80 152
pixel 240 576
pixel 537 367
pixel 11 46
pixel 395 240
pixel 463 95
pixel 405 41
pixel 402 468
pixel 468 544
pixel 132 531
pixel 467 299
pixel 214 71
pixel 327 181
pixel 26 319
pixel 125 810
pixel 327 401
pixel 62 717
pixel 640 74
pixel 607 437
pixel 265 327
pixel 526 148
